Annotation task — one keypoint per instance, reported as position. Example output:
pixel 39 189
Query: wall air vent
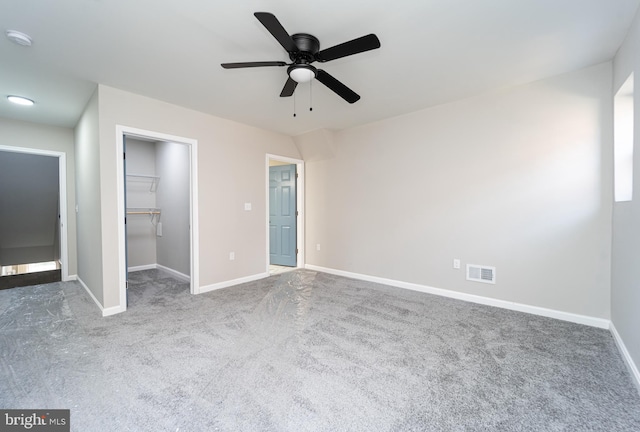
pixel 480 273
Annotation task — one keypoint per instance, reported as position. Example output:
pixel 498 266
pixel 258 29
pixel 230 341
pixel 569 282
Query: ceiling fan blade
pixel 289 88
pixel 252 64
pixel 340 89
pixel 355 46
pixel 277 31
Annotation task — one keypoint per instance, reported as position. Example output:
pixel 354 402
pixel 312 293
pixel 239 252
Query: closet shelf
pixel 152 212
pixel 152 178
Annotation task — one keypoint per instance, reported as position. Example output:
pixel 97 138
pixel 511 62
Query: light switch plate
pixel 247 206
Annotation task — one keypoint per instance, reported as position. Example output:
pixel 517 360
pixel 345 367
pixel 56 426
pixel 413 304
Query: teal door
pixel 282 215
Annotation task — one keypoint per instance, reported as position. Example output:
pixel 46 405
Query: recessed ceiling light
pixel 20 100
pixel 19 38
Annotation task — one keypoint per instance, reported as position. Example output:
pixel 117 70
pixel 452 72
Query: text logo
pixel 36 420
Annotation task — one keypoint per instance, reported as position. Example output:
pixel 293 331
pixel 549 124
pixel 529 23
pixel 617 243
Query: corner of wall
pixel 626 357
pixel 316 145
pixel 625 300
pixel 88 202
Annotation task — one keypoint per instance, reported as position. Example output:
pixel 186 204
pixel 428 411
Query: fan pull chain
pixel 294 103
pixel 310 96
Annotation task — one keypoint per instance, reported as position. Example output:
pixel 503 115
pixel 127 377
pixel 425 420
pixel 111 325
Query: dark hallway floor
pixel 28 279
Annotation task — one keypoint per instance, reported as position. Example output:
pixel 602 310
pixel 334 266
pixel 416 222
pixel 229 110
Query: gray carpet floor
pixel 305 351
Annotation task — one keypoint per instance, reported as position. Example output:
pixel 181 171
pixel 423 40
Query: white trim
pixel 62 195
pixel 122 248
pixel 300 187
pixel 142 267
pixel 72 278
pixel 105 312
pixel 121 131
pixel 233 282
pixel 86 288
pixel 113 310
pixel 174 273
pixel 535 310
pixel 40 152
pixel 628 361
pixel 195 228
pixel 64 251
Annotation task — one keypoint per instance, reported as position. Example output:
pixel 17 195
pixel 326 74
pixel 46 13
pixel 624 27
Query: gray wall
pixel 625 304
pixel 172 163
pixel 29 193
pixel 520 179
pixel 231 161
pixel 27 135
pixel 88 198
pixel 141 234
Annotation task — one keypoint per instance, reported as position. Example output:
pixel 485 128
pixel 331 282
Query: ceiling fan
pixel 303 50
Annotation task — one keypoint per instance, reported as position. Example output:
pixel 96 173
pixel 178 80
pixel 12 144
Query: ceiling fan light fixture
pixel 302 73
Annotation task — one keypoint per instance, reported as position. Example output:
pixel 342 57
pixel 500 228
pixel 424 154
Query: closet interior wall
pixel 157 182
pixel 141 232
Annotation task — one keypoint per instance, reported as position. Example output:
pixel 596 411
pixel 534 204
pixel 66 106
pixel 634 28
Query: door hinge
pixel 296 175
pixel 124 155
pixel 297 213
pixel 296 251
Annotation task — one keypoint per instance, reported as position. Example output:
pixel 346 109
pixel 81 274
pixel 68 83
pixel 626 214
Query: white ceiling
pixel 433 51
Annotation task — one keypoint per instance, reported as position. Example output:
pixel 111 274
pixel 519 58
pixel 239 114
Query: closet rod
pixel 143 176
pixel 143 212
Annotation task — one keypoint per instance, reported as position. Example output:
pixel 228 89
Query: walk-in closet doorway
pixel 157 206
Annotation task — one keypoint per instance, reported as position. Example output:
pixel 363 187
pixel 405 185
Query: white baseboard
pixel 175 273
pixel 86 288
pixel 105 311
pixel 142 267
pixel 628 361
pixel 71 278
pixel 226 284
pixel 113 310
pixel 550 313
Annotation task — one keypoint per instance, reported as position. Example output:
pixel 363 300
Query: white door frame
pixel 300 260
pixel 121 131
pixel 62 194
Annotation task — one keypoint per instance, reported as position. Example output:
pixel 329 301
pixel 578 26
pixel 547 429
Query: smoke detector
pixel 19 38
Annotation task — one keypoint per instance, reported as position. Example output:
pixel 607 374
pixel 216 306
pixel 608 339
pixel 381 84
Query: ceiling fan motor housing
pixel 308 47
